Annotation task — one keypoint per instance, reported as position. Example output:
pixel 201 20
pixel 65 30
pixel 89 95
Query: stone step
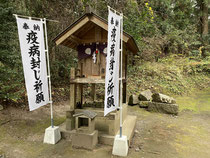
pixel 128 130
pixel 129 127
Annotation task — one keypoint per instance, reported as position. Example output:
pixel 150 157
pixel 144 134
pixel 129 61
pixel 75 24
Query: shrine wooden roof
pixel 90 28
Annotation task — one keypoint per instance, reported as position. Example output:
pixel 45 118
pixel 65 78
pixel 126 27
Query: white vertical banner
pixel 111 102
pixel 32 45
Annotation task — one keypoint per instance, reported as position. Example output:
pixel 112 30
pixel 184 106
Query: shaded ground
pixel 156 135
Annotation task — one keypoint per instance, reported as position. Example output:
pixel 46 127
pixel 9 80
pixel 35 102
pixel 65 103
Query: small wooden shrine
pixel 88 36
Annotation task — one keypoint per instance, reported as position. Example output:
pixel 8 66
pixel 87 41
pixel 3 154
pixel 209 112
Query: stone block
pixel 145 95
pixel 133 100
pixel 85 140
pixel 162 98
pixel 70 124
pixel 163 108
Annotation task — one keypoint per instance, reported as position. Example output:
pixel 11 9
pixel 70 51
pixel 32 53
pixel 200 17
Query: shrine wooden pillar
pixel 79 86
pixel 72 91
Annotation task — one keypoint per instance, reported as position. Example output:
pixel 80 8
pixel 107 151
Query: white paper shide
pixel 31 37
pixel 112 64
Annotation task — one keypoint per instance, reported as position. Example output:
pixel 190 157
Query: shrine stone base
pixel 107 127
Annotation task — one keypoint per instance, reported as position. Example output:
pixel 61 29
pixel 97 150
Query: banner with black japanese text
pixel 111 102
pixel 32 45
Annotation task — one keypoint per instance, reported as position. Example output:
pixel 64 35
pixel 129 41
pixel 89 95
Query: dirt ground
pixel 156 135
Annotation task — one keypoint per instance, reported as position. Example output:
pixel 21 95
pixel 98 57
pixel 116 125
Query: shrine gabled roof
pixel 75 33
pixel 87 113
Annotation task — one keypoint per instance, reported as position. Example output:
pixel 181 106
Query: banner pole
pixel 121 87
pixel 116 11
pixel 23 16
pixel 120 146
pixel 48 70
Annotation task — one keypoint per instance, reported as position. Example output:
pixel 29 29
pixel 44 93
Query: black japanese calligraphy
pixel 110 101
pixel 38 86
pixel 36 27
pixel 112 50
pixel 39 97
pixel 113 35
pixel 112 20
pixel 34 50
pixel 111 63
pixel 36 74
pixel 32 37
pixel 25 26
pixel 35 62
pixel 110 88
pixel 116 23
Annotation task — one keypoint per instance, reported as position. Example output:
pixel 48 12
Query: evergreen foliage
pixel 161 28
pixel 11 85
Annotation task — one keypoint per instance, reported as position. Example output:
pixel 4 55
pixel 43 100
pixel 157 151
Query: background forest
pixel 172 35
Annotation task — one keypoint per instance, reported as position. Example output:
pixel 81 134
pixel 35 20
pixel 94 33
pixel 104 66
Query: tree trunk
pixel 204 23
pixel 204 18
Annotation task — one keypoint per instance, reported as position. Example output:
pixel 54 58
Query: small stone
pixel 136 131
pixel 137 149
pixel 1 107
pixel 133 100
pixel 2 156
pixel 145 95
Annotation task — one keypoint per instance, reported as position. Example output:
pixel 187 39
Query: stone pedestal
pixel 120 147
pixel 108 127
pixel 52 135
